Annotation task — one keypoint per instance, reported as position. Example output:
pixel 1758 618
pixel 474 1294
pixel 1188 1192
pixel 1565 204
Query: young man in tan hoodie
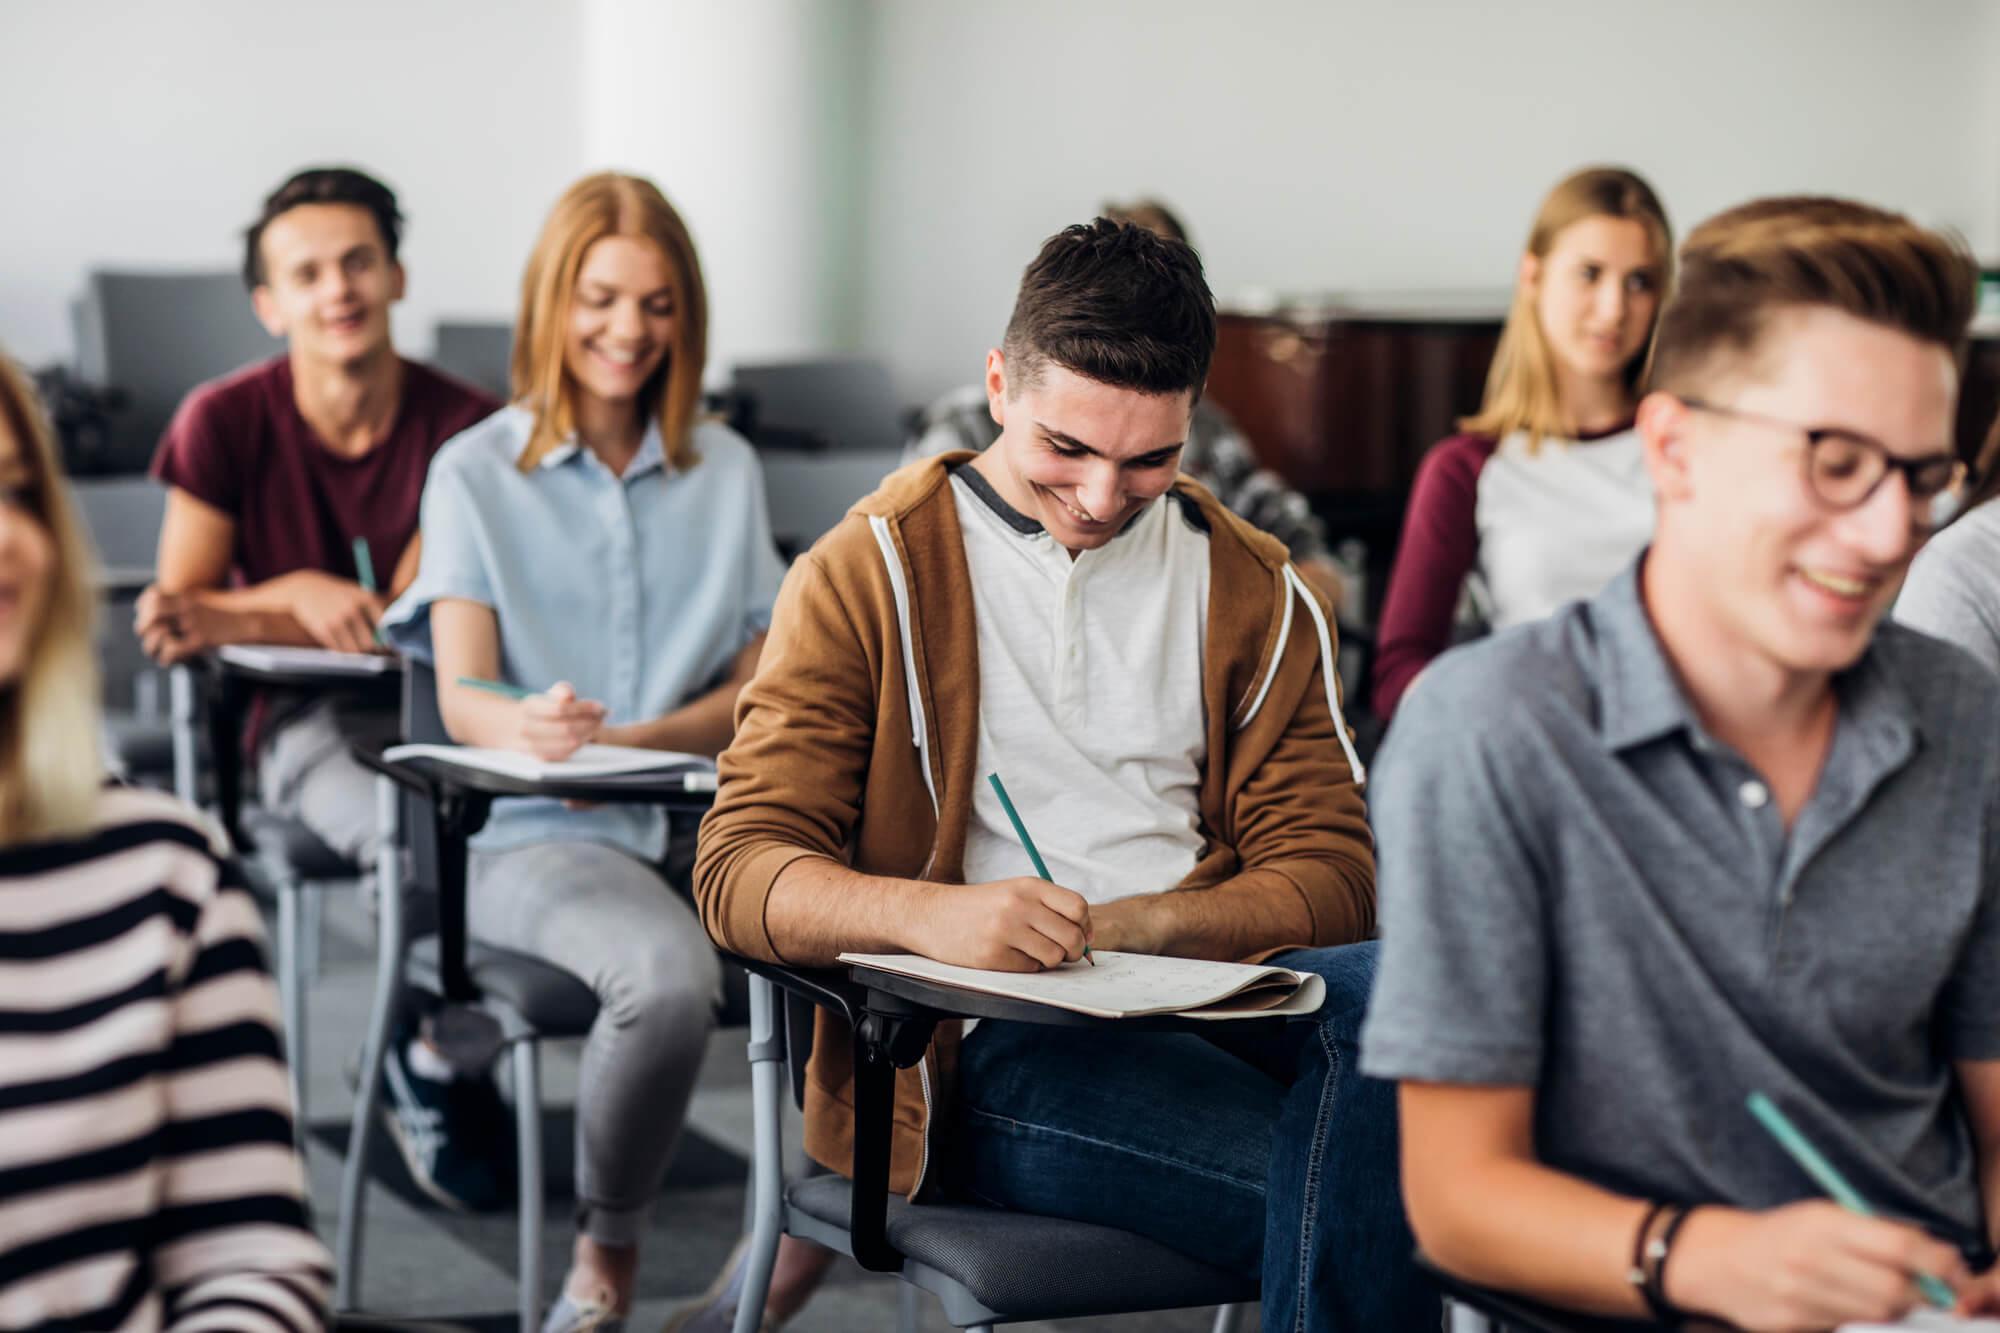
pixel 1155 683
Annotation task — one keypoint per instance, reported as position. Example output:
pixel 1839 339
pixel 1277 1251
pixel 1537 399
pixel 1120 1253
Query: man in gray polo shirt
pixel 1715 832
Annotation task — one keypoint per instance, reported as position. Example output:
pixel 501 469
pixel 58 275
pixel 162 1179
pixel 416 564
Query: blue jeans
pixel 1263 1154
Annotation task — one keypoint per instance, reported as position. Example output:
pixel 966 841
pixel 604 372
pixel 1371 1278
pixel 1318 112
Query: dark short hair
pixel 1114 303
pixel 1743 266
pixel 322 185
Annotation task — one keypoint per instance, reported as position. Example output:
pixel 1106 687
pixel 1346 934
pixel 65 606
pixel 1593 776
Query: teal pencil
pixel 364 574
pixel 1021 832
pixel 1801 1150
pixel 499 687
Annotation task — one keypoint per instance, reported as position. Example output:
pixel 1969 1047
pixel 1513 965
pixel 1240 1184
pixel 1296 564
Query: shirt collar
pixel 1642 698
pixel 976 481
pixel 652 454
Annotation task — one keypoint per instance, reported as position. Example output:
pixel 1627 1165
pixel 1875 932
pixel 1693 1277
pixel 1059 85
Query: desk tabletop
pixel 625 789
pixel 956 1001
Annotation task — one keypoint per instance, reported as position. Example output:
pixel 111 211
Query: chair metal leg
pixel 181 692
pixel 1464 1319
pixel 391 943
pixel 528 1130
pixel 292 1001
pixel 767 1181
pixel 1229 1318
pixel 909 1308
pixel 314 928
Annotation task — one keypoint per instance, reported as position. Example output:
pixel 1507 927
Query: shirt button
pixel 1754 794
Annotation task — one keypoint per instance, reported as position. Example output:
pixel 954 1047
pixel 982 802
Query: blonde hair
pixel 1521 393
pixel 608 204
pixel 51 757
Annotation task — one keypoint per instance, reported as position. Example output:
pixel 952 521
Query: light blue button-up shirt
pixel 638 590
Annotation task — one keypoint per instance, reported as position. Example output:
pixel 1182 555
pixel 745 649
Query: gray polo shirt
pixel 1583 891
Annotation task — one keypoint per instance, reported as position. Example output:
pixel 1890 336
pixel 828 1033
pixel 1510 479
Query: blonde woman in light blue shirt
pixel 597 544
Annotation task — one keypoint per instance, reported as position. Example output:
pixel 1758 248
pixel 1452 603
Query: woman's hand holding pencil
pixel 551 725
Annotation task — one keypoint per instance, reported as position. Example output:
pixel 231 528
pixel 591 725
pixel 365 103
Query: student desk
pixel 461 799
pixel 891 1019
pixel 228 688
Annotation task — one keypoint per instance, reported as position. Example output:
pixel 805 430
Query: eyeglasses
pixel 1845 467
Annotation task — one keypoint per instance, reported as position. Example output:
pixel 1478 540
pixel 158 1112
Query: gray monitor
pixel 477 352
pixel 157 335
pixel 847 403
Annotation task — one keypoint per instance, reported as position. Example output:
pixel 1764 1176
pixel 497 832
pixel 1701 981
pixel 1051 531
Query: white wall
pixel 747 115
pixel 870 175
pixel 1365 145
pixel 146 134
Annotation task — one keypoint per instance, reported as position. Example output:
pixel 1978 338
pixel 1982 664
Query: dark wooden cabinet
pixel 1343 404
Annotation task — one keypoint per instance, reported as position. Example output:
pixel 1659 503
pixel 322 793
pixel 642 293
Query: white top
pixel 1555 525
pixel 1953 588
pixel 1090 704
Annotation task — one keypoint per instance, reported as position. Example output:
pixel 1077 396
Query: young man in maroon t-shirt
pixel 276 471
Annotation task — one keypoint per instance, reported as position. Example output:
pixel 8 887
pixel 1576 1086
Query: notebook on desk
pixel 591 763
pixel 1128 985
pixel 305 661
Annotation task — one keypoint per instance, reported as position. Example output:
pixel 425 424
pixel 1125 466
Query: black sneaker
pixel 455 1135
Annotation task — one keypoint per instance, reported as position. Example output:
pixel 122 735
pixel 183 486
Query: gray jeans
pixel 632 937
pixel 307 771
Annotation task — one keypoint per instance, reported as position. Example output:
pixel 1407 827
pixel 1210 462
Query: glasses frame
pixel 1816 435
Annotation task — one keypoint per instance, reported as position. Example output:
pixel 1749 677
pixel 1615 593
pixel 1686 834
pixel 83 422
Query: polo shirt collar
pixel 1019 521
pixel 1642 698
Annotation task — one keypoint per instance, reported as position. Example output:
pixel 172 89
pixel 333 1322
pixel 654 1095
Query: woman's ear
pixel 1530 272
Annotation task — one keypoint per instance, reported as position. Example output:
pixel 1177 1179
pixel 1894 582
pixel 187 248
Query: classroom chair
pixel 986 1266
pixel 289 867
pixel 531 1001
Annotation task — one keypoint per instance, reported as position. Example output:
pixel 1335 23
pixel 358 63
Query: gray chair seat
pixel 139 747
pixel 553 1001
pixel 1031 1267
pixel 302 852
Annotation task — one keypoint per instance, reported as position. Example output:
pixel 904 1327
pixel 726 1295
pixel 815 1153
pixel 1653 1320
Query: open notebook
pixel 312 661
pixel 591 763
pixel 1128 985
pixel 1928 1319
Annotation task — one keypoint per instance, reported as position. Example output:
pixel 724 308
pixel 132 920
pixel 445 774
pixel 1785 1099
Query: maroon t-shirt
pixel 239 444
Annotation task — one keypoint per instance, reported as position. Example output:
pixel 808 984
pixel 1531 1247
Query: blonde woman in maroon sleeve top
pixel 1543 497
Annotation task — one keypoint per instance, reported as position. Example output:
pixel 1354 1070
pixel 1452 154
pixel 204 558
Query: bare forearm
pixel 1520 1226
pixel 474 717
pixel 819 908
pixel 254 615
pixel 701 726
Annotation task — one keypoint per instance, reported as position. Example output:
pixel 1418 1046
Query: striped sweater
pixel 147 1175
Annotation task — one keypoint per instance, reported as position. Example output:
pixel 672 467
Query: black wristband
pixel 1636 1274
pixel 1662 1250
